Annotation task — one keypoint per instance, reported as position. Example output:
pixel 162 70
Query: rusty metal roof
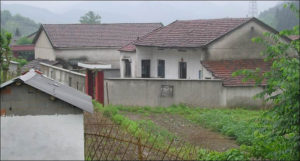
pixel 56 89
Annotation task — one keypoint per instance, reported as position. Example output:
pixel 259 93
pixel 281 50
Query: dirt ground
pixel 188 131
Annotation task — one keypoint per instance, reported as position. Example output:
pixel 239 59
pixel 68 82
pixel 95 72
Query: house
pixel 196 50
pixel 88 43
pixel 42 119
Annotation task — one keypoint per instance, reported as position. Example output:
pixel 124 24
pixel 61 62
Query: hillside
pixel 279 17
pixel 12 23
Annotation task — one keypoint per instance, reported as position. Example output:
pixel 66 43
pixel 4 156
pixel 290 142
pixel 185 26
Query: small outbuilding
pixel 42 119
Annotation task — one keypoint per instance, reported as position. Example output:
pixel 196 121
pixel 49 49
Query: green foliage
pixel 24 41
pixel 21 61
pixel 231 154
pixel 13 23
pixel 279 17
pixel 282 89
pixel 5 54
pixel 90 18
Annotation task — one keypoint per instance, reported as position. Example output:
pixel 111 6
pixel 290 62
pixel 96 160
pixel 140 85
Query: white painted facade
pixel 235 45
pixel 172 57
pixel 43 48
pixel 42 137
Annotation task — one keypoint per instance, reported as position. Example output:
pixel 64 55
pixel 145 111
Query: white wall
pixel 172 58
pixel 238 44
pixel 43 48
pixel 51 137
pixel 91 54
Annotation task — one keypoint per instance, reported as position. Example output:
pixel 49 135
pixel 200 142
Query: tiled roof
pixel 29 47
pixel 96 35
pixel 128 48
pixel 35 64
pixel 223 69
pixel 294 37
pixel 191 33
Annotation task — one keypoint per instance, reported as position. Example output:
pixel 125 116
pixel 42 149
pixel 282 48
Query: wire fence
pixel 105 140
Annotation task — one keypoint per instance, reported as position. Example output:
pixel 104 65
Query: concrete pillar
pixel 89 87
pixel 99 87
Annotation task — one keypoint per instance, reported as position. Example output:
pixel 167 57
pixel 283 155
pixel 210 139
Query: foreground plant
pixel 282 89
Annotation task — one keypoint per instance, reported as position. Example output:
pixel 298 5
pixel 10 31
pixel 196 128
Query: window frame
pixel 161 68
pixel 148 74
pixel 182 72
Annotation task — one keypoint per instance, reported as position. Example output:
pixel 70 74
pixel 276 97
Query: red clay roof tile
pixel 96 35
pixel 190 33
pixel 223 69
pixel 29 47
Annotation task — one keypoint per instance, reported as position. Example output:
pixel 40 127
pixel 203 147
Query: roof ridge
pixel 225 18
pixel 104 23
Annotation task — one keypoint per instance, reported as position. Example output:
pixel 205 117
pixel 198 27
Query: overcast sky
pixel 64 6
pixel 133 11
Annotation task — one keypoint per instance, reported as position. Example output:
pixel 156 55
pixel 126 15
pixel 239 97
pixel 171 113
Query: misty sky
pixel 64 6
pixel 139 11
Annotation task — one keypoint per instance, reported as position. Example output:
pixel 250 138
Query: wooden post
pixel 99 87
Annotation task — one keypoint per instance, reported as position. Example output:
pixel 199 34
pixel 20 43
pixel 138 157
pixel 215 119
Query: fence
pixel 105 140
pixel 67 77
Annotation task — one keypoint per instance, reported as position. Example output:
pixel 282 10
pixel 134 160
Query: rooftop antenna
pixel 252 12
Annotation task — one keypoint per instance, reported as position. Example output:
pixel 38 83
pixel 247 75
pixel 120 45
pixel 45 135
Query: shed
pixel 42 119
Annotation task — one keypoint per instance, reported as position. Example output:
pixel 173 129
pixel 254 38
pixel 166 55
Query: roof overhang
pixel 94 65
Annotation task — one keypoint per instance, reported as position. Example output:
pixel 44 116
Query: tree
pixel 5 53
pixel 24 40
pixel 282 90
pixel 90 18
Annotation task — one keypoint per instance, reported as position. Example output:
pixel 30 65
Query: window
pixel 161 69
pixel 200 74
pixel 182 70
pixel 70 81
pixel 145 68
pixel 127 68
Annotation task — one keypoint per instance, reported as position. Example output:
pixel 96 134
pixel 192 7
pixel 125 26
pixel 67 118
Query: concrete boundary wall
pixel 163 92
pixel 166 92
pixel 67 77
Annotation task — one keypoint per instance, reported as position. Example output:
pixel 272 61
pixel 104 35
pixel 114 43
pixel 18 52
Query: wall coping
pixel 62 69
pixel 163 79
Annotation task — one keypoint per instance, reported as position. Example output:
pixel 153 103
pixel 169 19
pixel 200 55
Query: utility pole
pixel 252 12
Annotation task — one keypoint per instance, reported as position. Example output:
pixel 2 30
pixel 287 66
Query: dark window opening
pixel 182 70
pixel 161 69
pixel 127 68
pixel 70 81
pixel 145 68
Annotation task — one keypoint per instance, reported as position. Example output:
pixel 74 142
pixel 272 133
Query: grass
pixel 240 123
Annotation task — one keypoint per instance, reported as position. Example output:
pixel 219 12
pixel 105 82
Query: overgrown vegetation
pixel 5 54
pixel 240 124
pixel 281 140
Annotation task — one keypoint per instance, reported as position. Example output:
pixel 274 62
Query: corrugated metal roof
pixel 56 89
